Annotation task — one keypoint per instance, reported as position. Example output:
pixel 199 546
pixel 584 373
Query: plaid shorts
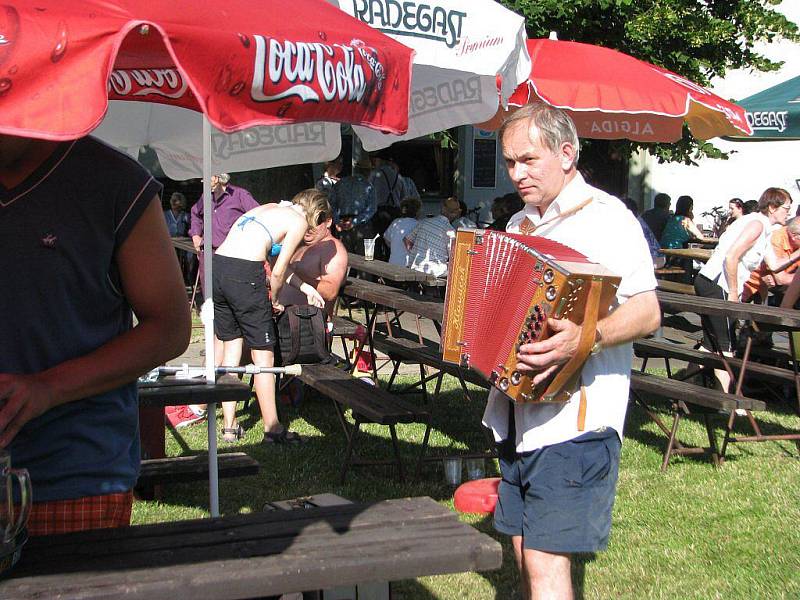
pixel 78 514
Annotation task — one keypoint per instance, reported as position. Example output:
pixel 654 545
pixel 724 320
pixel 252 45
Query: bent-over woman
pixel 740 250
pixel 242 309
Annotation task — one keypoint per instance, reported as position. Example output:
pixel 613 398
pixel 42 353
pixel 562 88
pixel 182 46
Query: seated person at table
pixel 657 217
pixel 652 243
pixel 320 262
pixel 784 243
pixel 242 309
pixel 429 243
pixel 354 203
pixel 739 252
pixel 680 227
pixel 400 228
pixel 502 209
pixel 85 248
pixel 462 221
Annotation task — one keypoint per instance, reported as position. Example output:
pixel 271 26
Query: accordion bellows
pixel 501 289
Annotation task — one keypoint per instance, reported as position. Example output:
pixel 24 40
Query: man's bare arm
pixel 152 283
pixel 333 274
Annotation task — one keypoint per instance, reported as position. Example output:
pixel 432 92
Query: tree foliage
pixel 698 39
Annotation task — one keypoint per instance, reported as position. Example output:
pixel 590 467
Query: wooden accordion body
pixel 501 289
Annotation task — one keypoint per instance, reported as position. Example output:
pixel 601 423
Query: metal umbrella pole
pixel 207 313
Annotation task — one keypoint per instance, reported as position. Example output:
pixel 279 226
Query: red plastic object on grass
pixel 477 496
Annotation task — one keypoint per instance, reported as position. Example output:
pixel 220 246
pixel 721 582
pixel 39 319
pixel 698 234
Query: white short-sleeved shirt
pixel 431 249
pixel 606 232
pixel 750 260
pixel 394 234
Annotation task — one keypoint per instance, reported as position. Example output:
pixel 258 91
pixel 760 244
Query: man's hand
pixel 543 358
pixel 197 240
pixel 23 398
pixel 312 295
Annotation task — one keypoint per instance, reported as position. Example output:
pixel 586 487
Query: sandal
pixel 232 434
pixel 282 437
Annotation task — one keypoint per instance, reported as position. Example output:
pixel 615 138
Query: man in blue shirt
pixel 354 204
pixel 86 247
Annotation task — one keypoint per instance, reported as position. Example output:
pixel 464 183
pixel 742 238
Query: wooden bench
pixel 369 404
pixel 662 271
pixel 181 469
pixel 401 349
pixel 675 286
pixel 703 401
pixel 649 348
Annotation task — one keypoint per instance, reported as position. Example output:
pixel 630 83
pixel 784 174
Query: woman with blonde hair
pixel 242 310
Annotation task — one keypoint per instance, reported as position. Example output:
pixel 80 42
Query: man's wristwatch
pixel 598 342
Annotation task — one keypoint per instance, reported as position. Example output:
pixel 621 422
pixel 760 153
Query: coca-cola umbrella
pixel 611 95
pixel 462 49
pixel 239 63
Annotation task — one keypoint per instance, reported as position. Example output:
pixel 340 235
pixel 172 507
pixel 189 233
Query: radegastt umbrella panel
pixel 774 113
pixel 461 49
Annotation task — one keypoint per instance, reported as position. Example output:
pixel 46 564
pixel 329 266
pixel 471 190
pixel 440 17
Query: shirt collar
pixel 572 194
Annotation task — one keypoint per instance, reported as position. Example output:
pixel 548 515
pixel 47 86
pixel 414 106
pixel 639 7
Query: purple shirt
pixel 230 205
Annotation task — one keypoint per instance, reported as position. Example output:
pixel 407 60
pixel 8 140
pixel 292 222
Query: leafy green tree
pixel 698 39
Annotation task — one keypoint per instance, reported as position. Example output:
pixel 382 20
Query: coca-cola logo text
pixel 143 82
pixel 312 70
pixel 412 19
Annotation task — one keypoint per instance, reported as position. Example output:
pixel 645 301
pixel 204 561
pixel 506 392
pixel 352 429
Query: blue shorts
pixel 559 497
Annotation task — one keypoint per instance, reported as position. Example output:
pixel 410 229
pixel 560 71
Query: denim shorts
pixel 559 497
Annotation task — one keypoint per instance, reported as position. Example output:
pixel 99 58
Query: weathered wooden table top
pixel 184 243
pixel 699 254
pixel 383 295
pixel 388 271
pixel 253 555
pixel 169 391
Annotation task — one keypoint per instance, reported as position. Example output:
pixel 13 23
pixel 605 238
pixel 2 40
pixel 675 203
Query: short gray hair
pixel 554 125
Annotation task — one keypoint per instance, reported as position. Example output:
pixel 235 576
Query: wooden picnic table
pixel 390 272
pixel 698 254
pixel 761 316
pixel 389 297
pixel 253 555
pixel 169 391
pixel 184 243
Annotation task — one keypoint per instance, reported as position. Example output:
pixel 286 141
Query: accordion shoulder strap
pixel 588 330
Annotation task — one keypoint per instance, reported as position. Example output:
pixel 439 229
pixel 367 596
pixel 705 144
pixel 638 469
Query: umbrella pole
pixel 208 320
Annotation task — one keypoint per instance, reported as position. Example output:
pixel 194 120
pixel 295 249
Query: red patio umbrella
pixel 242 63
pixel 611 95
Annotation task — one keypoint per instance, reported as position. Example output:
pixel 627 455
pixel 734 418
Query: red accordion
pixel 501 289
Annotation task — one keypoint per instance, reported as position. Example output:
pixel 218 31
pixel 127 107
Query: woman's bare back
pixel 253 234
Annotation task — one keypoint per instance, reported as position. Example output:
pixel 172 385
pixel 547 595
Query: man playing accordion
pixel 559 462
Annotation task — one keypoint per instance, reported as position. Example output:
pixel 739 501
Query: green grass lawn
pixel 692 532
